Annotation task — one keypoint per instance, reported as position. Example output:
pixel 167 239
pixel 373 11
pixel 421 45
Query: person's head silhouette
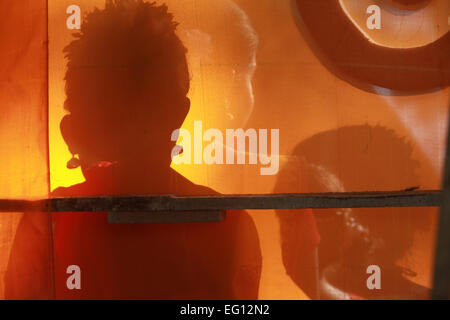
pixel 356 159
pixel 126 85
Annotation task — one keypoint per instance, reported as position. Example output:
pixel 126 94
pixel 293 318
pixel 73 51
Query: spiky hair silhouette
pixel 133 48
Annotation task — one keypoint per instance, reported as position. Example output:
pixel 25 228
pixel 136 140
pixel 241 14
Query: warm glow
pixel 295 93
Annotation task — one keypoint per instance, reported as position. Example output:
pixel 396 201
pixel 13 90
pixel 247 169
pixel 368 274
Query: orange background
pixel 293 92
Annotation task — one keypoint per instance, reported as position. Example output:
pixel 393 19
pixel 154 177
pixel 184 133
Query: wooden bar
pixel 228 202
pixel 242 202
pixel 12 205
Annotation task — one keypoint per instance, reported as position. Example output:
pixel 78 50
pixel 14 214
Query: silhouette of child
pixel 126 83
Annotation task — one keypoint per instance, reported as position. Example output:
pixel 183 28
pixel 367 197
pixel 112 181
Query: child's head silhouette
pixel 126 84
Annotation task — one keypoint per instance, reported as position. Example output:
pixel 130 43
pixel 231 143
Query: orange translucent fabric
pixel 25 272
pixel 356 108
pixel 110 93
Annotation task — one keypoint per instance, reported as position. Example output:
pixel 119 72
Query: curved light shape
pixel 406 34
pixel 348 53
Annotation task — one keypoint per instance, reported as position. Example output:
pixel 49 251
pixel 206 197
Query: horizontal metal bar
pixel 228 202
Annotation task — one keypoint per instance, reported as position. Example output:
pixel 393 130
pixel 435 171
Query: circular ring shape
pixel 344 50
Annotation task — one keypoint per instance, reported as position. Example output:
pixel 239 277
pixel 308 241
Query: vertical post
pixel 441 281
pixel 48 209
